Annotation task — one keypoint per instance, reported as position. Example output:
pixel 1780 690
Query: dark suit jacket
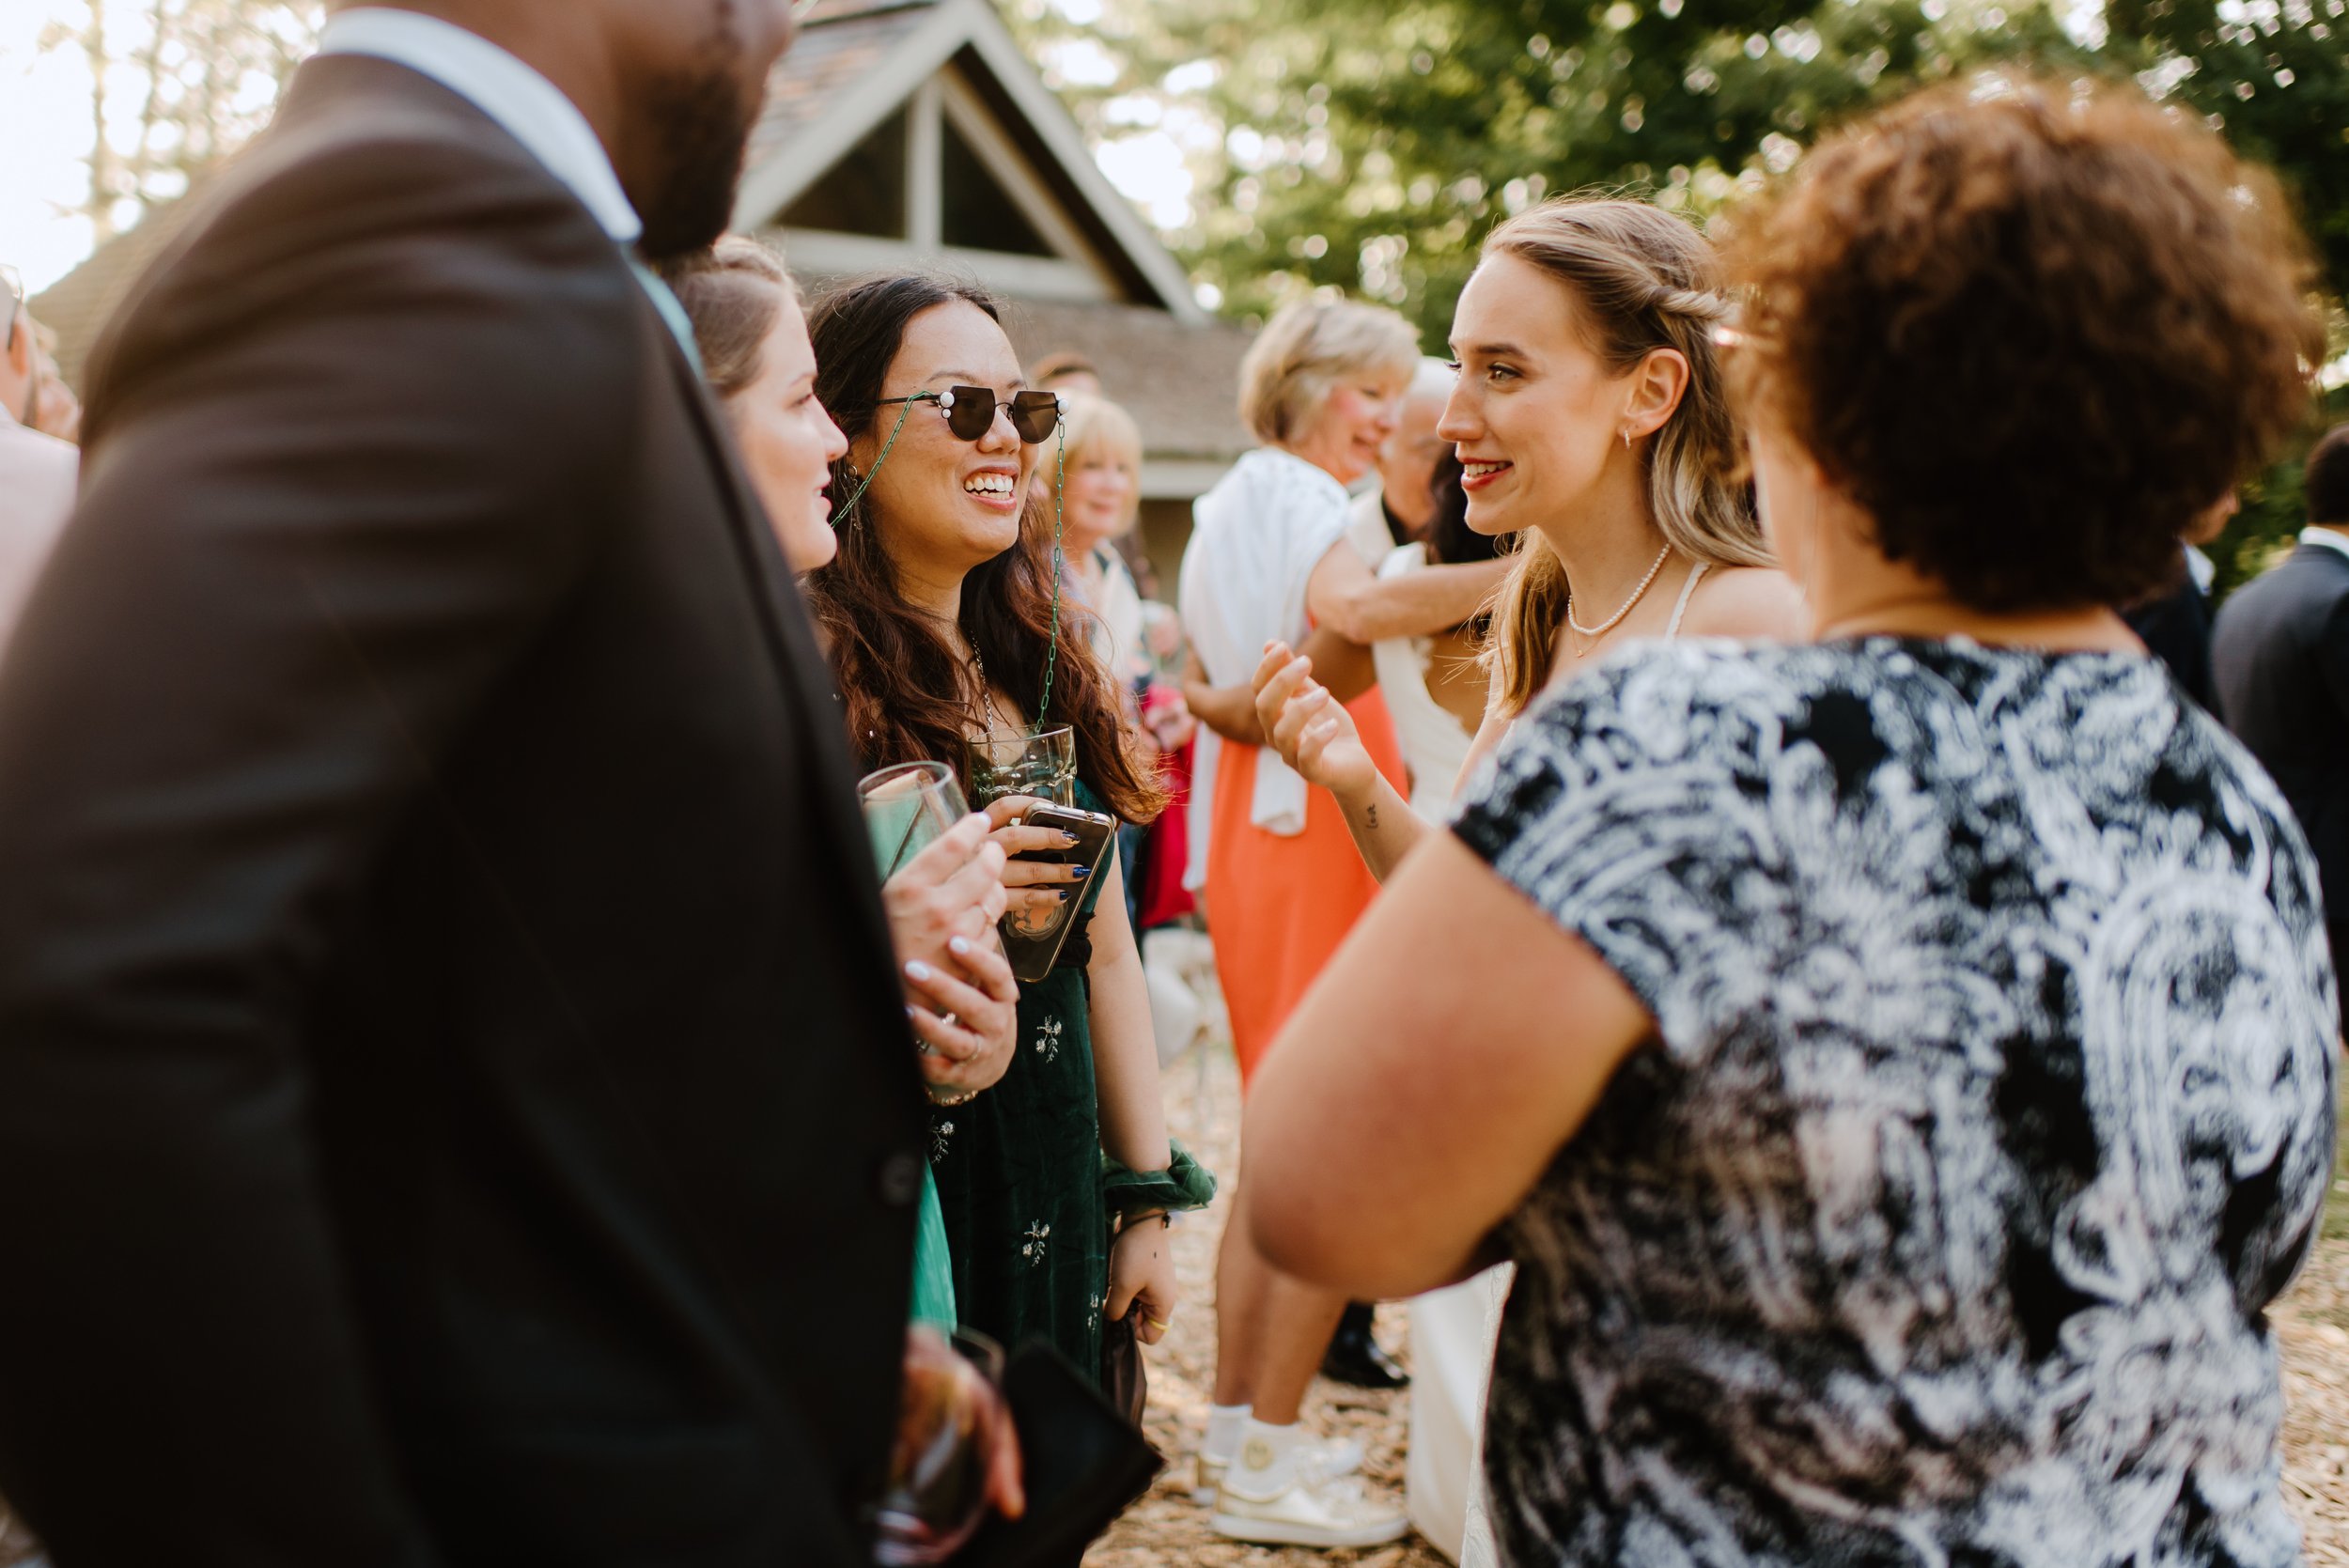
pixel 2175 626
pixel 2282 655
pixel 454 1102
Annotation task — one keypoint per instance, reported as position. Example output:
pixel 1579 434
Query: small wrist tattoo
pixel 1371 816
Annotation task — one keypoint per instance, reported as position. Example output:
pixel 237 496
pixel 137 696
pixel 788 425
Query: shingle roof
pixel 1181 383
pixel 77 304
pixel 839 41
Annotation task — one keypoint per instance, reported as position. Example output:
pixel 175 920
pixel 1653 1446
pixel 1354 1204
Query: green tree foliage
pixel 1370 147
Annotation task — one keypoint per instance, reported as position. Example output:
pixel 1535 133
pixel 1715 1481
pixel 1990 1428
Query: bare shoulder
pixel 1747 601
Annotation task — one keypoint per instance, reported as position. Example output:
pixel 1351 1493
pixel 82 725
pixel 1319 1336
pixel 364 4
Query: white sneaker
pixel 1325 1459
pixel 1308 1512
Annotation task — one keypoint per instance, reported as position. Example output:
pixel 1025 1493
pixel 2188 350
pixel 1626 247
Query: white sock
pixel 1268 1457
pixel 1225 1423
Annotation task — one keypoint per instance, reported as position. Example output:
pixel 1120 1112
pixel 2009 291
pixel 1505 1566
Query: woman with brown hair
pixel 1591 419
pixel 751 331
pixel 1901 1067
pixel 945 630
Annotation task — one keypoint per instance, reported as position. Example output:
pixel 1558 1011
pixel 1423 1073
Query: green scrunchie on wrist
pixel 1185 1183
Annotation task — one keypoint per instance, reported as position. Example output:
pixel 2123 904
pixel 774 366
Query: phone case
pixel 1031 945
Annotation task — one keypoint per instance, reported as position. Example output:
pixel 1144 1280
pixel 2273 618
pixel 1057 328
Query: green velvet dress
pixel 1020 1180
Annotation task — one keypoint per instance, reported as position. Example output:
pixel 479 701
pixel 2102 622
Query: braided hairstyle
pixel 1646 280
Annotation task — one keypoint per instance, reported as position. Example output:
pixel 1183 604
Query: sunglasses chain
pixel 1052 649
pixel 866 483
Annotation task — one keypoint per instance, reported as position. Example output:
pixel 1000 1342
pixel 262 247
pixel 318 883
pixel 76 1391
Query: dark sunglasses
pixel 969 411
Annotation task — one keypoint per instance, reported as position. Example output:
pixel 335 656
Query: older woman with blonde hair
pixel 1101 495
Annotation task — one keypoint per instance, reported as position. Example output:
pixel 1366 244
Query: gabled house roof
pixel 858 62
pixel 886 80
pixel 1096 280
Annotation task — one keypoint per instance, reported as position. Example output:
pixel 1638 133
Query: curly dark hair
pixel 906 693
pixel 2031 328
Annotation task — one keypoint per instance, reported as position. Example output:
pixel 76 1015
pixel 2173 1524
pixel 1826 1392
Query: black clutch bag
pixel 1082 1462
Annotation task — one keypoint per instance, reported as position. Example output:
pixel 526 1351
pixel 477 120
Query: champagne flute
pixel 1042 763
pixel 951 1420
pixel 906 808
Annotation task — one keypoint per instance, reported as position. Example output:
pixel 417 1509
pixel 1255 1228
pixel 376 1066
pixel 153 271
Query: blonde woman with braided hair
pixel 1591 419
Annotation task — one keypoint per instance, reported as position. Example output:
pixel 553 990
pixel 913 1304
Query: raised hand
pixel 1308 727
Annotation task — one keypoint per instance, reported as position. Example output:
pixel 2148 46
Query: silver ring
pixel 923 1047
pixel 946 1018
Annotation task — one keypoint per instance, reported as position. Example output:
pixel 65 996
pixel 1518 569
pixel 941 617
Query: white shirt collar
pixel 2330 538
pixel 531 108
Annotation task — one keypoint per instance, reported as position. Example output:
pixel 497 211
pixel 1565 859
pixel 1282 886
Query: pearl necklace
pixel 1594 632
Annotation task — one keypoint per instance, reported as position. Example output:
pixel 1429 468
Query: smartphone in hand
pixel 1033 942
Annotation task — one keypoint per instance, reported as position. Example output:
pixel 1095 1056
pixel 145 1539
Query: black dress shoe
pixel 1354 1358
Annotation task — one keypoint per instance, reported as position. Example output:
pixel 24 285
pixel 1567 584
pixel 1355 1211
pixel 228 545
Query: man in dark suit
pixel 456 1096
pixel 2281 656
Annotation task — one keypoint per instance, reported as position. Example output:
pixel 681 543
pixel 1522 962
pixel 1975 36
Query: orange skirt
pixel 1279 907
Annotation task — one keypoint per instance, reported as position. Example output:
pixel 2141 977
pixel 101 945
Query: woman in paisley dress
pixel 939 613
pixel 1902 1068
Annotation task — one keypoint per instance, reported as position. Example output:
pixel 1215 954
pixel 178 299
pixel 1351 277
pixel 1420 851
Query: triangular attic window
pixel 862 194
pixel 979 213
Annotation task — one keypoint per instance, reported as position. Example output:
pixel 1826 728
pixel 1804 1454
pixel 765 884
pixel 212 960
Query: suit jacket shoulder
pixel 375 192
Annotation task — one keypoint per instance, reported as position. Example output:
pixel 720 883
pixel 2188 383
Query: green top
pixel 1019 1176
pixel 1026 1193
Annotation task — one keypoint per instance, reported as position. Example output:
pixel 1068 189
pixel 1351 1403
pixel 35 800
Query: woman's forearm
pixel 1344 596
pixel 1384 826
pixel 1124 1042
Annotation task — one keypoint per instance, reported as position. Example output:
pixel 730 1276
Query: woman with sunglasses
pixel 945 630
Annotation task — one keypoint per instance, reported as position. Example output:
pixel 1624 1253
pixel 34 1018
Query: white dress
pixel 1453 1329
pixel 1435 743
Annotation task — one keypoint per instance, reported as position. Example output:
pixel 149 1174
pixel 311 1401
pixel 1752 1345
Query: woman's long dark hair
pixel 908 695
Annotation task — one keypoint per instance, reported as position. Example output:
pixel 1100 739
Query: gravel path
pixel 1167 1529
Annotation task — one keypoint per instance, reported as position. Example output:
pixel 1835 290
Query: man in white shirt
pixel 37 472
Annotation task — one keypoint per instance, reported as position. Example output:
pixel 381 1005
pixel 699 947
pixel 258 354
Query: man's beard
pixel 702 121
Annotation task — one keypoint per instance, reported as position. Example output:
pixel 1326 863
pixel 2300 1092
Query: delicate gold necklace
pixel 1593 633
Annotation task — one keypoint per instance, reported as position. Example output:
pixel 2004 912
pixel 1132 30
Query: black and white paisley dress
pixel 1992 1104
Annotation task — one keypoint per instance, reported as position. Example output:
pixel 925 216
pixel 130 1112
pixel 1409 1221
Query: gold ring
pixel 1155 1321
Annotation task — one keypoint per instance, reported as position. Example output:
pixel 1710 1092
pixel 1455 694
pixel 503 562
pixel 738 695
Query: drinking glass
pixel 1042 763
pixel 951 1418
pixel 905 807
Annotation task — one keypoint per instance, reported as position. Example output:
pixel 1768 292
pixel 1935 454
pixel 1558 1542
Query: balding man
pixel 1401 505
